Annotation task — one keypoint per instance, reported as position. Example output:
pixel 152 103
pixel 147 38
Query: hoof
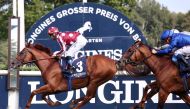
pixel 27 107
pixel 72 105
pixel 137 107
pixel 57 103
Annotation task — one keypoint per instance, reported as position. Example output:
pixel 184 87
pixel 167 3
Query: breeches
pixel 75 47
pixel 178 54
pixel 184 50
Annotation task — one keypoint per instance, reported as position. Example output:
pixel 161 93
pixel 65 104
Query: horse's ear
pixel 138 42
pixel 27 44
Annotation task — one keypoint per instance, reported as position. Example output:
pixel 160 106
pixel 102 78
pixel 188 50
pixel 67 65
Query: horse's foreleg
pixel 42 89
pixel 74 102
pixel 154 88
pixel 162 96
pixel 186 98
pixel 48 101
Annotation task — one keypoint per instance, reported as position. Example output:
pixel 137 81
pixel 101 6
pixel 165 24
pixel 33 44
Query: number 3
pixel 79 68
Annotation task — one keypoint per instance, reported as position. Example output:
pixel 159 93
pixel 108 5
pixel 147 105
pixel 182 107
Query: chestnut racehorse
pixel 100 69
pixel 167 74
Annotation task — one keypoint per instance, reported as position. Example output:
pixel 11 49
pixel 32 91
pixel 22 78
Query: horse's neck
pixel 157 63
pixel 41 64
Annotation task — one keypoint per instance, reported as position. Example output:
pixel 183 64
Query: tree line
pixel 149 16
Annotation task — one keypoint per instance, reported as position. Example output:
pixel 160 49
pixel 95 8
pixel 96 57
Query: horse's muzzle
pixel 15 64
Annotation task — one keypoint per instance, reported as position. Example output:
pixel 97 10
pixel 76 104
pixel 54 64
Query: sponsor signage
pixel 119 93
pixel 111 31
pixel 3 92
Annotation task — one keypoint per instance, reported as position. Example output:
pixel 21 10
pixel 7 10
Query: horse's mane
pixel 42 48
pixel 167 56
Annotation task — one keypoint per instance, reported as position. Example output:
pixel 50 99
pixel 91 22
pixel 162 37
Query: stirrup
pixel 71 69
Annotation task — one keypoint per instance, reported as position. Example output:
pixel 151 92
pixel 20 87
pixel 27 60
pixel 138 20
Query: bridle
pixel 21 62
pixel 128 60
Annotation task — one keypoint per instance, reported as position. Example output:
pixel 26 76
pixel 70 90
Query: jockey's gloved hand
pixel 57 57
pixel 154 51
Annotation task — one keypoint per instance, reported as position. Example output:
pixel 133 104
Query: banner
pixel 107 24
pixel 121 92
pixel 3 92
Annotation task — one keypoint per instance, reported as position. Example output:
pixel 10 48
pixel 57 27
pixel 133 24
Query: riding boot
pixel 182 58
pixel 184 61
pixel 184 78
pixel 69 67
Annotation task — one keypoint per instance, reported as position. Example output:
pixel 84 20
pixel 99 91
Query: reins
pixel 37 60
pixel 129 61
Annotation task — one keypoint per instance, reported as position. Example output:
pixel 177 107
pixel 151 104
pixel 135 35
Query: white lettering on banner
pixel 83 10
pixel 128 92
pixel 136 37
pixel 106 14
pixel 116 94
pixel 33 86
pixel 141 84
pixel 40 28
pixel 75 10
pixel 129 29
pixel 113 54
pixel 68 99
pixel 94 40
pixel 126 26
pixel 119 95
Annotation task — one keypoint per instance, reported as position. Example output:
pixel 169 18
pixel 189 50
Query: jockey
pixel 175 40
pixel 73 40
pixel 166 45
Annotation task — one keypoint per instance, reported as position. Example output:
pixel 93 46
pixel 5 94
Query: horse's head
pixel 22 57
pixel 136 54
pixel 135 57
pixel 31 53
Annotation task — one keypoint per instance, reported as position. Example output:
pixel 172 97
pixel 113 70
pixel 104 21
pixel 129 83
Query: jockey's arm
pixel 62 44
pixel 169 48
pixel 163 46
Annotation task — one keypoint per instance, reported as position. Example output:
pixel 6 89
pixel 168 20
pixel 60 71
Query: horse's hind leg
pixel 42 89
pixel 74 102
pixel 48 101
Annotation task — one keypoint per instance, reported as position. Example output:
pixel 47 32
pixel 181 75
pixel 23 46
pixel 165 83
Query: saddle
pixel 79 72
pixel 79 65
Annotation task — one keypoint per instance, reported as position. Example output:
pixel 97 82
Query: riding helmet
pixel 166 34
